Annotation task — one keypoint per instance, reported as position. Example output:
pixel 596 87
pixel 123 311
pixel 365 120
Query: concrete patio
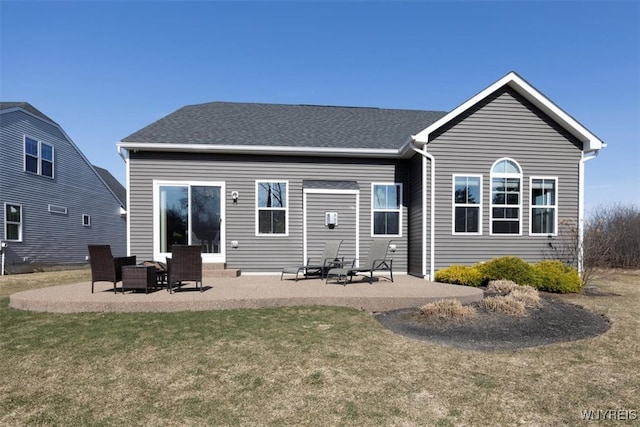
pixel 246 291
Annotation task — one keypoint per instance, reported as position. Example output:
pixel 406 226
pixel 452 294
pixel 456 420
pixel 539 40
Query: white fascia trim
pixel 263 149
pixel 589 140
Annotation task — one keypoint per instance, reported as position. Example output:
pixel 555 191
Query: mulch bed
pixel 553 322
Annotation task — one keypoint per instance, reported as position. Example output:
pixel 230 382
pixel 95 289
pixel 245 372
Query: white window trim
pixel 491 205
pixel 258 208
pixel 532 206
pixel 454 205
pixel 207 258
pixel 4 230
pixel 399 210
pixel 39 157
pixel 88 222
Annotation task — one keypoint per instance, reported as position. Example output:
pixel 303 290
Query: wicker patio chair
pixel 327 260
pixel 106 268
pixel 376 260
pixel 185 265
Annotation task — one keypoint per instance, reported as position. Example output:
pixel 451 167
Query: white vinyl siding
pixel 544 206
pixel 467 204
pixel 271 208
pixel 386 209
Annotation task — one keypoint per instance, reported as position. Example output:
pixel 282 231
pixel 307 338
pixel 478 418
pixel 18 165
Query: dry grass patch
pixel 528 295
pixel 448 309
pixel 502 287
pixel 12 283
pixel 504 305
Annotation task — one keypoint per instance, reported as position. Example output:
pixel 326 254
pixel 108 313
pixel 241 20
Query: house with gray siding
pixel 261 186
pixel 54 202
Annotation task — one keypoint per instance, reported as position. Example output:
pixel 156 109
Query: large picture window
pixel 467 201
pixel 190 214
pixel 506 200
pixel 38 157
pixel 271 207
pixel 386 209
pixel 13 222
pixel 544 205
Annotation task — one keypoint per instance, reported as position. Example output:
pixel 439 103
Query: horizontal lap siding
pixel 504 126
pixel 318 233
pixel 50 238
pixel 256 253
pixel 415 216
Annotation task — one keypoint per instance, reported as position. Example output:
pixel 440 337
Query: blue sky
pixel 104 70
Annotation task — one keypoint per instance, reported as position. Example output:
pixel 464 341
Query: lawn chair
pixel 106 268
pixel 327 260
pixel 376 261
pixel 185 265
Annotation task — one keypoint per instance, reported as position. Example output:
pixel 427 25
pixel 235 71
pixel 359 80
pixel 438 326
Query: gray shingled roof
pixel 115 186
pixel 25 106
pixel 277 125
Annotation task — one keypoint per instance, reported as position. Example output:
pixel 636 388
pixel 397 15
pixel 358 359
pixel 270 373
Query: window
pixel 86 220
pixel 467 199
pixel 13 222
pixel 57 209
pixel 544 203
pixel 506 179
pixel 386 209
pixel 38 157
pixel 190 214
pixel 271 207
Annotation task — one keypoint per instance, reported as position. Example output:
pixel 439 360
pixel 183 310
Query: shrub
pixel 554 276
pixel 528 295
pixel 460 274
pixel 505 305
pixel 507 268
pixel 448 309
pixel 502 287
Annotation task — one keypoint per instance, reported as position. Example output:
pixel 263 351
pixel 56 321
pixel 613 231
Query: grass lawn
pixel 301 366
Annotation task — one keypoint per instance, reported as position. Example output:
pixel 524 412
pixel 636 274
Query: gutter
pixel 124 154
pixel 432 210
pixel 581 168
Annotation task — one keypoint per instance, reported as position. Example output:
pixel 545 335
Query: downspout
pixel 125 156
pixel 583 160
pixel 432 210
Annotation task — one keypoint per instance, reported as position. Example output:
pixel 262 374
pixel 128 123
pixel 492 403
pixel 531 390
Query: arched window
pixel 506 197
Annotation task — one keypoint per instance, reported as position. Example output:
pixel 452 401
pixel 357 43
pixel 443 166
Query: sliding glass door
pixel 190 214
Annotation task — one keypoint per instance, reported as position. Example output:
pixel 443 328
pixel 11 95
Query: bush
pixel 554 276
pixel 502 287
pixel 448 309
pixel 507 268
pixel 612 237
pixel 460 275
pixel 505 305
pixel 527 294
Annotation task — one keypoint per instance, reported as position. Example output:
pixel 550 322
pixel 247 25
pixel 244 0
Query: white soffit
pixel 589 140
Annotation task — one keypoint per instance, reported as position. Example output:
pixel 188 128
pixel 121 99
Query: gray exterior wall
pixel 504 125
pixel 416 198
pixel 50 238
pixel 259 253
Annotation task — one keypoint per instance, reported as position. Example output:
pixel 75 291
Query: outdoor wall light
pixel 234 197
pixel 234 244
pixel 392 247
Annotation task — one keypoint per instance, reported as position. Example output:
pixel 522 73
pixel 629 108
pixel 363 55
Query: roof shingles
pixel 278 125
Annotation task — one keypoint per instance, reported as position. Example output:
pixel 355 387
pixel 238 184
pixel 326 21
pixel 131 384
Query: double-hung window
pixel 271 207
pixel 13 222
pixel 467 204
pixel 544 205
pixel 386 209
pixel 38 157
pixel 506 200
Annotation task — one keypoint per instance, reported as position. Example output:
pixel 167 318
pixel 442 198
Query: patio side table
pixel 138 277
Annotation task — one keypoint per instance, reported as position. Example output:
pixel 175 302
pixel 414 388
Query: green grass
pixel 301 366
